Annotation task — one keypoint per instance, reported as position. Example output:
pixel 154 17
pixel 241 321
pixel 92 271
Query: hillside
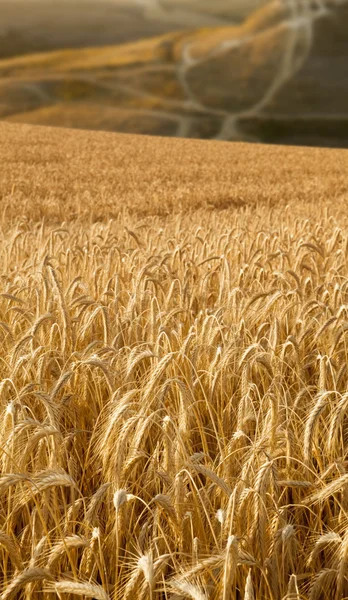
pixel 29 26
pixel 277 77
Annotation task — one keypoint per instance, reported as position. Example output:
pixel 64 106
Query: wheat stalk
pixel 86 589
pixel 173 405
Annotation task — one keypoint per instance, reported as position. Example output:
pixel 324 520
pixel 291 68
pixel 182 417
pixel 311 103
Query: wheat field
pixel 173 389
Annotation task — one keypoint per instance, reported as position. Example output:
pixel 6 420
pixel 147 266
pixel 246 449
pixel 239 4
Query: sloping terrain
pixel 28 26
pixel 277 77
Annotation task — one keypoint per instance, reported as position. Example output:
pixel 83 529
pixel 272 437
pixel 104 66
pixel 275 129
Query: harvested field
pixel 173 369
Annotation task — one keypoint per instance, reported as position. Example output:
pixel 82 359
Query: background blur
pixel 273 71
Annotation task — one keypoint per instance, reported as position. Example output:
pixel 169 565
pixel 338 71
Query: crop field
pixel 174 375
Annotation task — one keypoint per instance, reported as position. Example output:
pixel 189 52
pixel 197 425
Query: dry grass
pixel 173 398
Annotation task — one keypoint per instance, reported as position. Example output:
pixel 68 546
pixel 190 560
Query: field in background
pixel 276 77
pixel 29 26
pixel 174 375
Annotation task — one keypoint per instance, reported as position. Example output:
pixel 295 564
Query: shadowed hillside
pixel 28 26
pixel 277 77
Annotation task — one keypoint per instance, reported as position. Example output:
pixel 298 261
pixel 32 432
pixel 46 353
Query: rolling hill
pixel 277 77
pixel 29 26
